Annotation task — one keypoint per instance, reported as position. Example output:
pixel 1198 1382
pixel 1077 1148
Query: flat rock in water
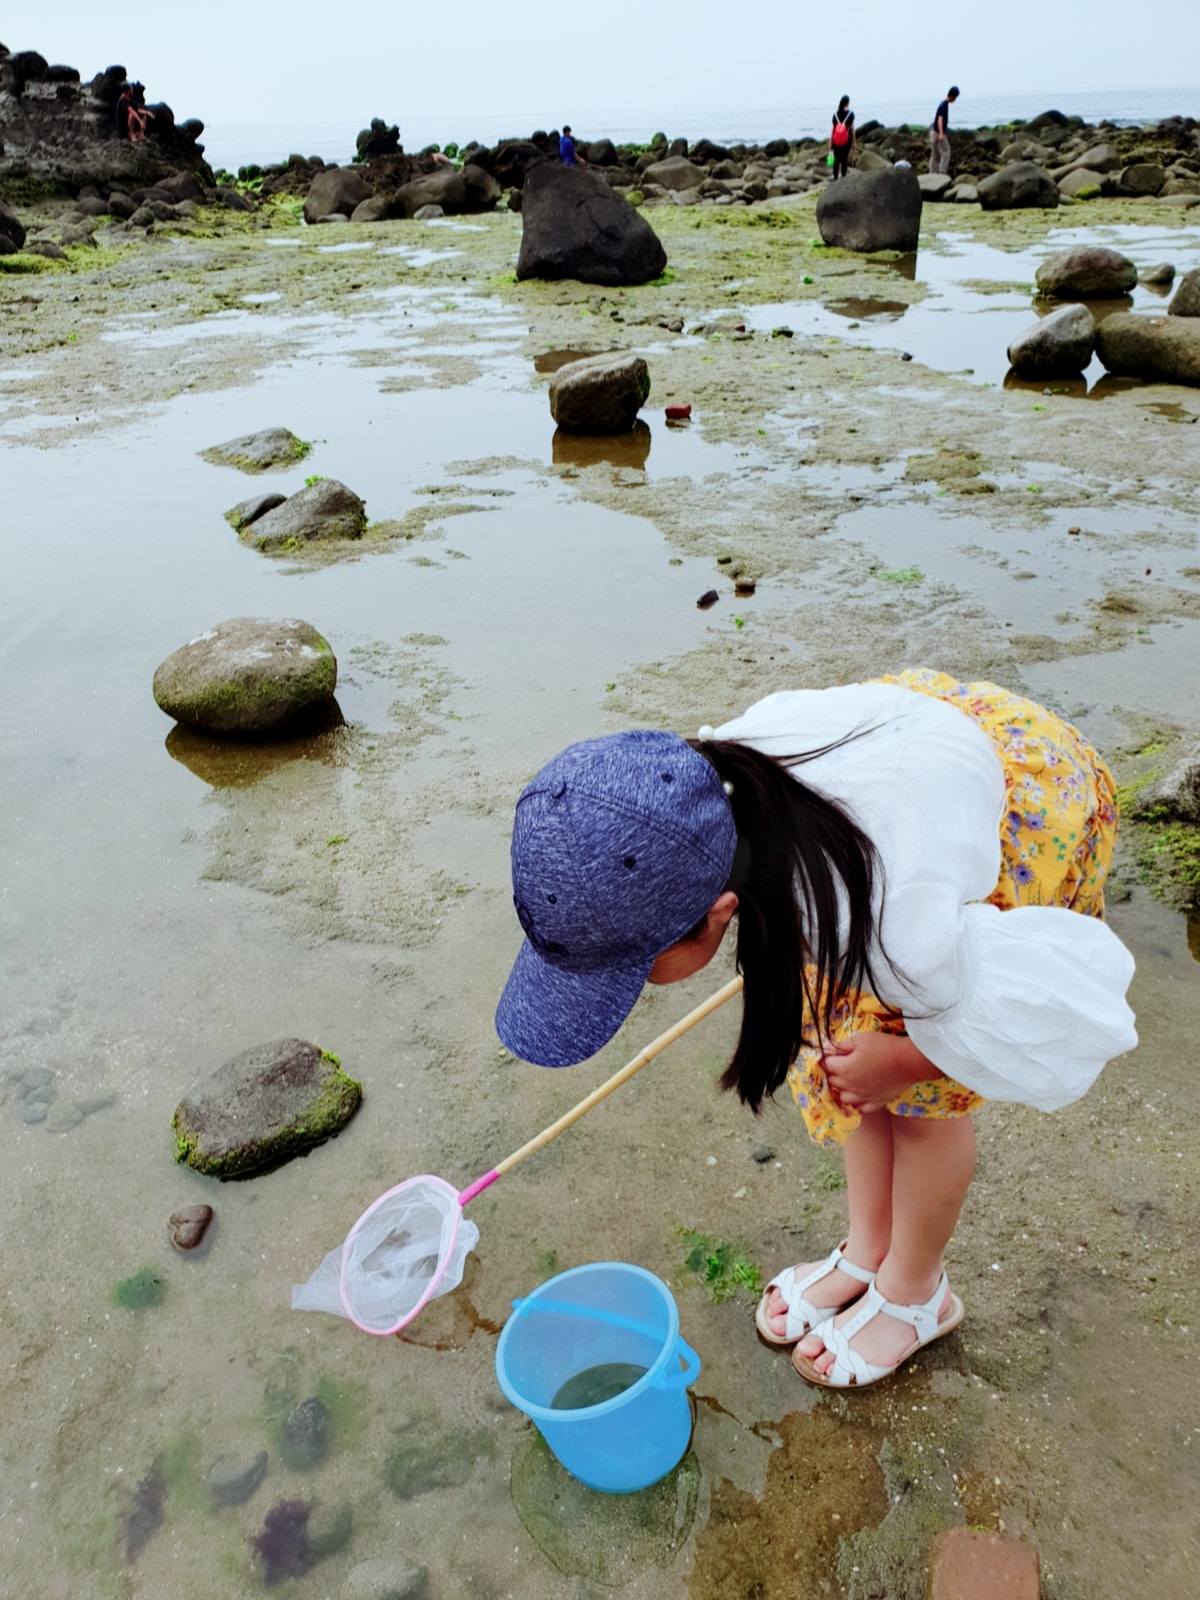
pixel 304 1442
pixel 322 510
pixel 1089 272
pixel 188 1227
pixel 573 225
pixel 1055 346
pixel 233 1479
pixel 601 394
pixel 386 1578
pixel 1185 302
pixel 1022 184
pixel 263 1107
pixel 248 511
pixel 1167 348
pixel 1161 275
pixel 248 675
pixel 867 211
pixel 258 452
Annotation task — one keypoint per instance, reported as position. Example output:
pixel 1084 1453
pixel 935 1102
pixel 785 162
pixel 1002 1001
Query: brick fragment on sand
pixel 966 1564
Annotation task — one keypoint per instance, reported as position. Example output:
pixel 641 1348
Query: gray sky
pixel 235 61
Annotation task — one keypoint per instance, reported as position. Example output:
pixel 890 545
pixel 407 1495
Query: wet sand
pixel 169 902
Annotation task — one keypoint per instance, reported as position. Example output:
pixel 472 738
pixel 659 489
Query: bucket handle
pixel 667 1379
pixel 671 1379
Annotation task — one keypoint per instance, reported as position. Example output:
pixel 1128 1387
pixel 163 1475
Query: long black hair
pixel 801 862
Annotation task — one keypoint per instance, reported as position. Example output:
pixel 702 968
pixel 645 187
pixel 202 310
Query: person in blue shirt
pixel 567 152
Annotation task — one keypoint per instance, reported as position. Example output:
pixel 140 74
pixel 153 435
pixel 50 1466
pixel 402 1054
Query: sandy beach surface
pixel 168 901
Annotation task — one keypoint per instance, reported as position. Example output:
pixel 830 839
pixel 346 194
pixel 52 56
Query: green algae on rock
pixel 249 675
pixel 259 452
pixel 262 1108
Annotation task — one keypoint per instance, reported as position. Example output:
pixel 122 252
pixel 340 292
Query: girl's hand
pixel 868 1070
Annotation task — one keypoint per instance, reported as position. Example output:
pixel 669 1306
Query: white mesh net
pixel 409 1246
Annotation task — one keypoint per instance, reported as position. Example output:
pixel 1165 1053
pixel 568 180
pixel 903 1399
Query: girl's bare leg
pixel 933 1162
pixel 869 1198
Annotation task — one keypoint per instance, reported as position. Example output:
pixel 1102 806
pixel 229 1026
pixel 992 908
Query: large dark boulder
pixel 482 190
pixel 508 161
pixel 575 226
pixel 445 188
pixel 249 675
pixel 1088 272
pixel 601 153
pixel 263 1107
pixel 11 228
pixel 1021 184
pixel 378 140
pixel 1166 348
pixel 600 394
pixel 334 192
pixel 871 210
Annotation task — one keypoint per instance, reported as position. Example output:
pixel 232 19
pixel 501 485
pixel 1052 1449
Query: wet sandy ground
pixel 168 902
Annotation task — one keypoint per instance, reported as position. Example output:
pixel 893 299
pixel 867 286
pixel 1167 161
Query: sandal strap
pixel 802 1317
pixel 851 1368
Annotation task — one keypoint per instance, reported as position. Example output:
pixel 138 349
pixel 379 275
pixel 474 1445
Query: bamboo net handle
pixel 734 986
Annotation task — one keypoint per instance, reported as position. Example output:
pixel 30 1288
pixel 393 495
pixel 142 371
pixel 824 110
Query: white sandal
pixel 849 1370
pixel 802 1317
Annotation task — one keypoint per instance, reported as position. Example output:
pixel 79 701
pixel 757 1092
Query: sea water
pixel 594 1385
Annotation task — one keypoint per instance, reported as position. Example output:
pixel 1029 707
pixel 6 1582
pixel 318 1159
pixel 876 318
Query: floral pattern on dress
pixel 1056 846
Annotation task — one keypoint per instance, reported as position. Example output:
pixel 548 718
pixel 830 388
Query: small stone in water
pixel 305 1440
pixel 708 598
pixel 189 1226
pixel 329 1529
pixel 36 1111
pixel 233 1479
pixel 744 586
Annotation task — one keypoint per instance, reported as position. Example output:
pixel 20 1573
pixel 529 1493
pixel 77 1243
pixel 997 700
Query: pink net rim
pixel 431 1290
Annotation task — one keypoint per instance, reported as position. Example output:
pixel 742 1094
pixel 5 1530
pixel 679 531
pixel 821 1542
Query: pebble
pixel 744 586
pixel 37 1111
pixel 36 1078
pixel 1074 530
pixel 384 1579
pixel 708 598
pixel 782 333
pixel 42 1095
pixel 188 1227
pixel 762 1154
pixel 329 1529
pixel 678 413
pixel 905 355
pixel 232 1479
pixel 63 1118
pixel 305 1441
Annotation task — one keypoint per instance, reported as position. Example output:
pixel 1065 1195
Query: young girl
pixel 842 142
pixel 917 870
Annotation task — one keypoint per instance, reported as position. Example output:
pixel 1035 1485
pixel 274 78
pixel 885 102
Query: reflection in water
pixel 867 307
pixel 1172 410
pixel 630 449
pixel 551 360
pixel 1111 384
pixel 226 763
pixel 1076 387
pixel 903 266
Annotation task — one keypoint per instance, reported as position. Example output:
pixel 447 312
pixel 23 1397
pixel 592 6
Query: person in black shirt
pixel 841 137
pixel 939 133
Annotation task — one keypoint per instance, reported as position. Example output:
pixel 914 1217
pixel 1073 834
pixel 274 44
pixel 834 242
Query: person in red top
pixel 841 137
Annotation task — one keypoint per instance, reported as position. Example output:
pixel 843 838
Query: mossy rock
pixel 259 452
pixel 248 675
pixel 263 1107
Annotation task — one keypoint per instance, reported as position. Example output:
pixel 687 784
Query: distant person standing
pixel 939 133
pixel 567 152
pixel 842 141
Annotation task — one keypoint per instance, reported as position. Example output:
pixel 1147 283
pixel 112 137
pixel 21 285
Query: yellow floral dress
pixel 1056 844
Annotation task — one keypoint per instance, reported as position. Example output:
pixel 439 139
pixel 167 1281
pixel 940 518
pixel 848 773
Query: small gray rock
pixel 1055 346
pixel 1087 272
pixel 1022 184
pixel 233 1479
pixel 304 1443
pixel 323 510
pixel 42 1095
pixel 601 394
pixel 36 1111
pixel 386 1578
pixel 1185 302
pixel 428 213
pixel 247 675
pixel 188 1227
pixel 329 1529
pixel 63 1118
pixel 248 511
pixel 1177 794
pixel 35 1078
pixel 258 452
pixel 1160 275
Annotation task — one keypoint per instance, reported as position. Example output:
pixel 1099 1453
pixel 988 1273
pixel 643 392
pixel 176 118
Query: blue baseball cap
pixel 620 845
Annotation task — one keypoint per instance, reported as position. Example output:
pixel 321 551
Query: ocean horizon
pixel 233 145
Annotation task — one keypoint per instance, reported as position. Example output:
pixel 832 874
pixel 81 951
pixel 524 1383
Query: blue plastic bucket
pixel 602 1318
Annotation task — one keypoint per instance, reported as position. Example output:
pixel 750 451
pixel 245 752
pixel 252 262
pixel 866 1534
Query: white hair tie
pixel 706 734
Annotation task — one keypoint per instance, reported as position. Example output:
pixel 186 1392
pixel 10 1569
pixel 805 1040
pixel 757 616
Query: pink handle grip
pixel 477 1187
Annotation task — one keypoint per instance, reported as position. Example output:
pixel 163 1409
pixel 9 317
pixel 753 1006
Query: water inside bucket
pixel 594 1385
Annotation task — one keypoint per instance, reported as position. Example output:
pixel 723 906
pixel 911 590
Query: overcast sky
pixel 235 61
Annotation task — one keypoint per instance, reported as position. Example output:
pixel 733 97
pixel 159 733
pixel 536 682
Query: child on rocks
pixel 917 869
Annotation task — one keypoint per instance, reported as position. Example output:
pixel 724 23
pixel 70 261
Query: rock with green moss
pixel 248 675
pixel 248 511
pixel 324 509
pixel 263 1107
pixel 1176 795
pixel 259 452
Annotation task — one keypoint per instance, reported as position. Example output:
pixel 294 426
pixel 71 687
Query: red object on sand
pixel 678 413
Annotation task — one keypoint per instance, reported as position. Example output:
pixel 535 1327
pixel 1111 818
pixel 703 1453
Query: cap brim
pixel 557 1019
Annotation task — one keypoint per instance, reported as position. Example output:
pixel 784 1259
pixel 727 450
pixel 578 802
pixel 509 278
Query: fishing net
pixel 405 1249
